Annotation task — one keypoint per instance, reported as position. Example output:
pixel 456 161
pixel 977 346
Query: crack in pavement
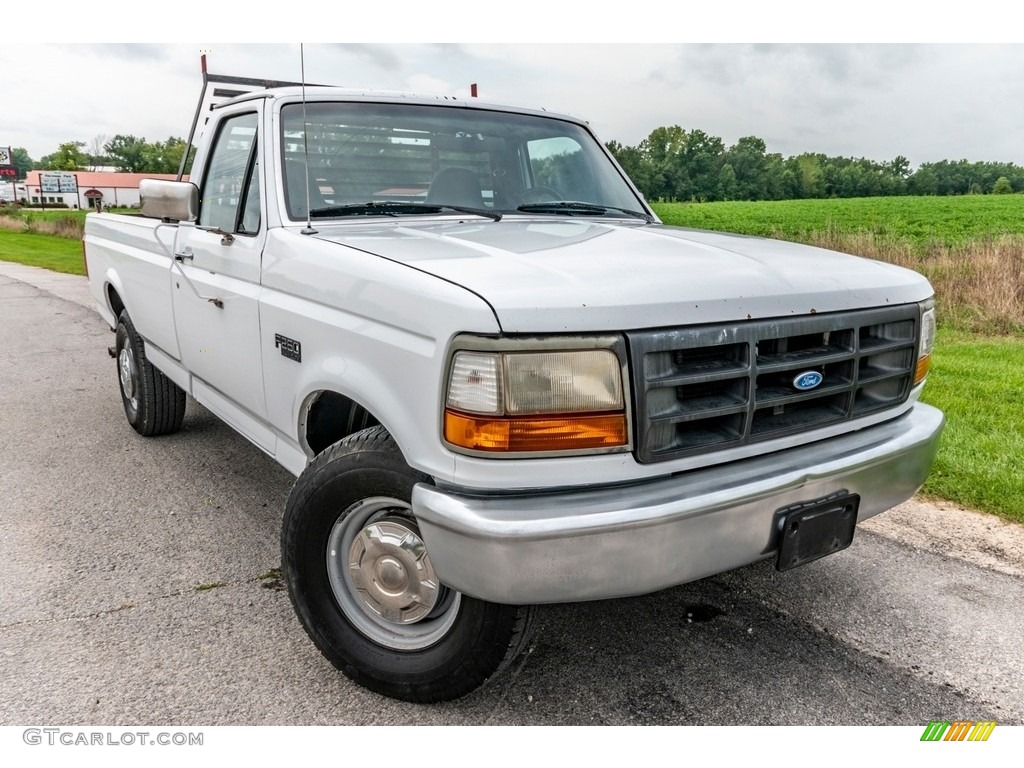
pixel 266 581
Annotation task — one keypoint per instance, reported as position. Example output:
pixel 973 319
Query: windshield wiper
pixel 577 208
pixel 398 208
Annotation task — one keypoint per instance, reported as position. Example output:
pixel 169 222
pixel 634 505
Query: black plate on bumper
pixel 816 529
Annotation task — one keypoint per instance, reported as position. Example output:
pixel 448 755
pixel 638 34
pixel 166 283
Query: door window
pixel 230 194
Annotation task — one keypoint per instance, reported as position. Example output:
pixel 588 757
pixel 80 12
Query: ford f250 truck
pixel 499 379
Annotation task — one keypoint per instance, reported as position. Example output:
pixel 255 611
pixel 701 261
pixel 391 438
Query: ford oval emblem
pixel 807 380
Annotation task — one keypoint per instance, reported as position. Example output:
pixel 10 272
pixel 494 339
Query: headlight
pixel 924 355
pixel 537 401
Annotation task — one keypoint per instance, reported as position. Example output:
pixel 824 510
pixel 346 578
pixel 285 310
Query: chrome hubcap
pixel 382 577
pixel 391 572
pixel 128 374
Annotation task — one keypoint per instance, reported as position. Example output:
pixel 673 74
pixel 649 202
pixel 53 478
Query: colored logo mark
pixel 807 380
pixel 958 730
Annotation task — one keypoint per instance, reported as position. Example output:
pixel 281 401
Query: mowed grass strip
pixel 979 383
pixel 59 254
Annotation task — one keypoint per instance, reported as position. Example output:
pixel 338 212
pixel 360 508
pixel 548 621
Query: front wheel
pixel 361 581
pixel 153 404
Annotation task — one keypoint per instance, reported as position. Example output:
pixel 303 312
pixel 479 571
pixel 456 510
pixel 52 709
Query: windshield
pixel 444 158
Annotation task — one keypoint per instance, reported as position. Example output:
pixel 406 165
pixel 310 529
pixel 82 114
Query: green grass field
pixel 920 221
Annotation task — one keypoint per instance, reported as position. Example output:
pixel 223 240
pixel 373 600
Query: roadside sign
pixel 58 181
pixel 6 156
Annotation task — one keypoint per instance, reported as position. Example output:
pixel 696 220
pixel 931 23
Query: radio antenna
pixel 308 229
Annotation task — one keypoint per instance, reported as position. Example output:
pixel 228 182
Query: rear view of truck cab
pixel 499 379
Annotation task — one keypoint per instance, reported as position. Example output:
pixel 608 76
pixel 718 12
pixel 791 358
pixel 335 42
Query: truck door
pixel 218 329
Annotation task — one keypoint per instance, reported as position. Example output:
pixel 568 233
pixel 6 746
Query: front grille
pixel 705 388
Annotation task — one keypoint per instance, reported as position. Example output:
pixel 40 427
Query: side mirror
pixel 175 200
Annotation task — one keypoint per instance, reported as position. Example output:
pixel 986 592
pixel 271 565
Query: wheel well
pixel 116 305
pixel 330 417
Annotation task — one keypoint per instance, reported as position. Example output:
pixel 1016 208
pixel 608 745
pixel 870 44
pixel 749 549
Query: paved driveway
pixel 139 587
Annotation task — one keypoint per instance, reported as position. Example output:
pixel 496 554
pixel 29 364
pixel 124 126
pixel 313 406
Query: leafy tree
pixel 127 152
pixel 701 162
pixel 676 164
pixel 164 157
pixel 727 185
pixel 664 144
pixel 1002 186
pixel 68 157
pixel 924 181
pixel 899 167
pixel 633 163
pixel 776 179
pixel 749 164
pixel 808 176
pixel 136 155
pixel 22 161
pixel 661 150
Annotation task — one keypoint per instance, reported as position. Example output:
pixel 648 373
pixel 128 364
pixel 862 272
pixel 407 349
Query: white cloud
pixel 926 102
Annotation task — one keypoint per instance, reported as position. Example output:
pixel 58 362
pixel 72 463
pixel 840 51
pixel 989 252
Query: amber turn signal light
pixel 535 433
pixel 923 363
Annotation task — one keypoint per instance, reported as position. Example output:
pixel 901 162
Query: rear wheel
pixel 361 580
pixel 153 404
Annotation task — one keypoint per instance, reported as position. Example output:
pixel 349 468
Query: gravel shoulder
pixel 941 527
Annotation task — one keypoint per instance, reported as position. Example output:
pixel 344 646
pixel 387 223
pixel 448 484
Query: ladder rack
pixel 217 96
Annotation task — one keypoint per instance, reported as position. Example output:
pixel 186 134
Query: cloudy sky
pixel 927 101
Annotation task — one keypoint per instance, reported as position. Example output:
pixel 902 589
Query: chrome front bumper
pixel 628 540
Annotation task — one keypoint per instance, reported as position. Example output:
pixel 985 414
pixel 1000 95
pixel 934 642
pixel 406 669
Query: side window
pixel 231 184
pixel 558 163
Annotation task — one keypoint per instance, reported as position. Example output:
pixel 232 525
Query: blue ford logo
pixel 807 380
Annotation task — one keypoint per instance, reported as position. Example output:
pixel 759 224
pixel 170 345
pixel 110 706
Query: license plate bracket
pixel 815 529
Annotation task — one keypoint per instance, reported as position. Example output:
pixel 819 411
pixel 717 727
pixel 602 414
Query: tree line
pixel 673 164
pixel 126 153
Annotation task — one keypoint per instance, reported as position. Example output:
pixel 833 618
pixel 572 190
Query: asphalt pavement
pixel 139 585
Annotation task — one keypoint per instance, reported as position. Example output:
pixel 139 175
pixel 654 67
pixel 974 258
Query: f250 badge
pixel 807 380
pixel 290 348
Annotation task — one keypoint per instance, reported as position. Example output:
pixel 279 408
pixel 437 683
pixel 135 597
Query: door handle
pixel 176 262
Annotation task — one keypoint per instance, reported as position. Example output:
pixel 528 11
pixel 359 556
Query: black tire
pixel 358 491
pixel 153 404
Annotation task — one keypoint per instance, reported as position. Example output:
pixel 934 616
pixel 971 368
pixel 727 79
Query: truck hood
pixel 573 275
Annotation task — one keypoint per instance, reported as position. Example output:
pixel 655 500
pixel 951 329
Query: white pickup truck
pixel 499 379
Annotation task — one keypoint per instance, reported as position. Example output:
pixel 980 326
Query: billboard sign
pixel 6 156
pixel 58 181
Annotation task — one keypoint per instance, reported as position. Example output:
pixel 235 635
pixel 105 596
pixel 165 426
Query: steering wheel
pixel 538 194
